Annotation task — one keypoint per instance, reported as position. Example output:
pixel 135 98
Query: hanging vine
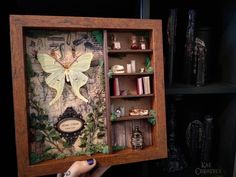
pixel 94 128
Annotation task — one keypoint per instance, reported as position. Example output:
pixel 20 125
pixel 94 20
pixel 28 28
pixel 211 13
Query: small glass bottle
pixel 115 44
pixel 118 112
pixel 134 42
pixel 142 43
pixel 137 140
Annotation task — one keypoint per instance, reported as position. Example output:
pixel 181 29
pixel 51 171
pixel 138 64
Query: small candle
pixel 133 68
pixel 128 67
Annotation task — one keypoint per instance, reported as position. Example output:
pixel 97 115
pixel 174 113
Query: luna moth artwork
pixel 66 94
pixel 71 73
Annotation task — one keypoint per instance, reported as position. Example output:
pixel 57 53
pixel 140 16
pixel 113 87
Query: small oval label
pixel 70 125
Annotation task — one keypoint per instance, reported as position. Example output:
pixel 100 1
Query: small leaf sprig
pixel 148 67
pixel 153 116
pixel 110 73
pixel 113 117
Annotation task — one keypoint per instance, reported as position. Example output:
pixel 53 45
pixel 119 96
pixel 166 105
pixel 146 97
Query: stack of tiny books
pixel 143 85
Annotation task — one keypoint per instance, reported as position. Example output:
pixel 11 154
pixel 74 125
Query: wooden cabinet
pixel 64 109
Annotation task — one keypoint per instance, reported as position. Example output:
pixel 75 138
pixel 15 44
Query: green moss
pixel 98 34
pixel 153 116
pixel 118 148
pixel 148 67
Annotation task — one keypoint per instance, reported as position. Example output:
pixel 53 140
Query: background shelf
pixel 132 96
pixel 130 51
pixel 132 74
pixel 214 88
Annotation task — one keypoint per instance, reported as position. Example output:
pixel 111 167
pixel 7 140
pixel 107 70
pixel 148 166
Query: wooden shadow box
pixel 86 88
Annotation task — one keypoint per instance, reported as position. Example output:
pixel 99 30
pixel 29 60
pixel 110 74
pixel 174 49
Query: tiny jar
pixel 118 112
pixel 137 140
pixel 134 42
pixel 115 43
pixel 143 43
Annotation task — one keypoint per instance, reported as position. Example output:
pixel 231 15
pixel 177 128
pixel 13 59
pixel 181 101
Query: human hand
pixel 81 168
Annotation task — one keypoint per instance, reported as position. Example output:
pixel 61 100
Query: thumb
pixel 80 167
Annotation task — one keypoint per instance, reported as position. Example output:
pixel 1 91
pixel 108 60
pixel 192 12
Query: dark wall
pixel 227 59
pixel 227 138
pixel 228 43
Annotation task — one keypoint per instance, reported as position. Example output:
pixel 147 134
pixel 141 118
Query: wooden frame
pixel 157 150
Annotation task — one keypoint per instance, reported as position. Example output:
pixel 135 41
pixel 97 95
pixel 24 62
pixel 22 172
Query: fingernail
pixel 90 161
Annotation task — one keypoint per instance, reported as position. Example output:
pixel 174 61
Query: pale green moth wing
pixel 77 78
pixel 56 79
pixel 49 64
pixel 82 63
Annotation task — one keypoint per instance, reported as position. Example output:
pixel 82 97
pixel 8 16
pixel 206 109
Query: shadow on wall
pixel 227 139
pixel 228 44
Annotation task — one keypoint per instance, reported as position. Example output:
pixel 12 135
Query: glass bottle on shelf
pixel 142 43
pixel 115 43
pixel 137 140
pixel 134 42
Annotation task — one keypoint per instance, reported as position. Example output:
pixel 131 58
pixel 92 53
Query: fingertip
pixel 81 167
pixel 91 162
